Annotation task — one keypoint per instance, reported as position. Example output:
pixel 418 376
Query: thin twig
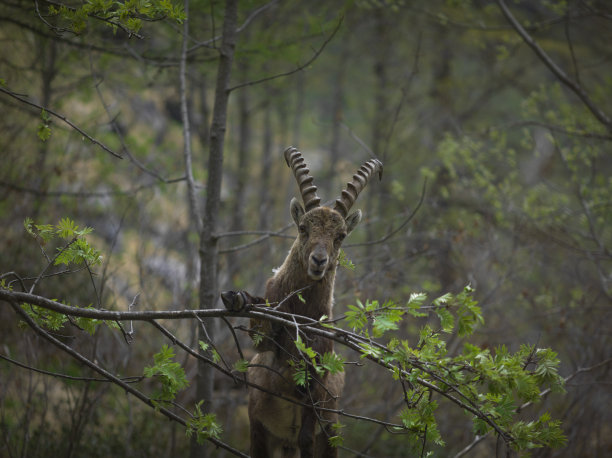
pixel 88 194
pixel 50 263
pixel 63 118
pixel 400 227
pixel 133 379
pixel 299 68
pixel 111 377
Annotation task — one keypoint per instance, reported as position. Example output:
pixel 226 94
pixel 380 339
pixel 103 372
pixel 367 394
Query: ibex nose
pixel 319 261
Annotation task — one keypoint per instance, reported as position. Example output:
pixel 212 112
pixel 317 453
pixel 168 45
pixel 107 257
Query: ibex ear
pixel 297 211
pixel 352 220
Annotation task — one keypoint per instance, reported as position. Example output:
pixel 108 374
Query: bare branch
pixel 111 377
pixel 554 68
pixel 400 227
pixel 63 118
pixel 299 68
pixel 86 194
pixel 265 236
pixel 50 263
pixel 115 127
pixel 558 129
pixel 134 379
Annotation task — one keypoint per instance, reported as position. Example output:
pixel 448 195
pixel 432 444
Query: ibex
pixel 303 285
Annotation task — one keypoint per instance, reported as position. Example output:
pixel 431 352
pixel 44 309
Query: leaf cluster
pixel 170 374
pixel 492 384
pixel 204 426
pixel 128 15
pixel 77 251
pixel 312 361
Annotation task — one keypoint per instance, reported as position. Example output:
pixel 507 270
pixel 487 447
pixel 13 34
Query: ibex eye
pixel 340 237
pixel 302 229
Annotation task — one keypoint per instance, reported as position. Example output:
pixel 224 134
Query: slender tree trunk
pixel 299 109
pixel 242 167
pixel 337 113
pixel 374 200
pixel 266 161
pixel 209 252
pixel 48 71
pixel 194 211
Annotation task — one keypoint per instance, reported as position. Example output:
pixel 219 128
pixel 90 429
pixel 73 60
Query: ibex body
pixel 280 427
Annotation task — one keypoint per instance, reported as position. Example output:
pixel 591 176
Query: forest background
pixel 161 125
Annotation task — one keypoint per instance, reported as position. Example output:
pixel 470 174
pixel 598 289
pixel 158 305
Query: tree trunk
pixel 209 252
pixel 337 113
pixel 48 72
pixel 374 202
pixel 266 161
pixel 242 169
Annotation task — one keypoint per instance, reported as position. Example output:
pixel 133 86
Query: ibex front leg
pixel 306 439
pixel 236 301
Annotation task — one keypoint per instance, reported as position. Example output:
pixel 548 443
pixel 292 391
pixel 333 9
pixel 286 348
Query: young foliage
pixel 338 439
pixel 76 251
pixel 329 361
pixel 494 383
pixel 44 131
pixel 344 261
pixel 170 374
pixel 204 426
pixel 242 365
pixel 127 15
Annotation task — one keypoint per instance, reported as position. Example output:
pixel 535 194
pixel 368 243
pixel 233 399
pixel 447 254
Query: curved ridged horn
pixel 300 170
pixel 354 187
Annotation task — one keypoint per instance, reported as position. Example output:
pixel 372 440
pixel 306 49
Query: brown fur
pixel 280 428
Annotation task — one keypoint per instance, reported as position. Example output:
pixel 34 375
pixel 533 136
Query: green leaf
pixel 204 426
pixel 344 261
pixel 170 374
pixel 66 228
pixel 386 320
pixel 304 349
pixel 300 374
pixel 332 362
pixel 44 131
pixel 414 304
pixel 336 441
pixel 356 316
pixel 447 321
pixel 242 365
pixel 48 319
pixel 216 357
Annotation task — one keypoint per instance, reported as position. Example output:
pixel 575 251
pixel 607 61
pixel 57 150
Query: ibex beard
pixel 289 419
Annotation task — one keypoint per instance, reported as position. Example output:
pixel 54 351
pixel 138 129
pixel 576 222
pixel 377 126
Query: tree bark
pixel 337 114
pixel 242 170
pixel 209 251
pixel 48 72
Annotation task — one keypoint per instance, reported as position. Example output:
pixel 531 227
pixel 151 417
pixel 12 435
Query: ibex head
pixel 322 229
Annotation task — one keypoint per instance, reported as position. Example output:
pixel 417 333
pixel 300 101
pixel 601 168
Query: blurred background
pixel 516 158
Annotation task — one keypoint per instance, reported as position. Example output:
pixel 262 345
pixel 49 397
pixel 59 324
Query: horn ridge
pixel 357 184
pixel 308 190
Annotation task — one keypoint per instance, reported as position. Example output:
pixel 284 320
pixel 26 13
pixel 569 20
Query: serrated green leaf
pixel 332 362
pixel 242 365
